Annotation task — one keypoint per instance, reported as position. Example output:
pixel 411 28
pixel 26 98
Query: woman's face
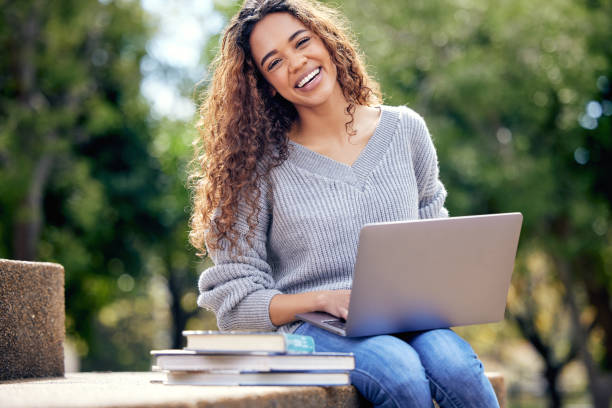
pixel 293 60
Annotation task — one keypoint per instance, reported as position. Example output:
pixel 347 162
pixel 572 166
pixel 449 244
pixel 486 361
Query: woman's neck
pixel 319 123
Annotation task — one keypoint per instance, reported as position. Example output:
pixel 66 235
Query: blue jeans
pixel 409 369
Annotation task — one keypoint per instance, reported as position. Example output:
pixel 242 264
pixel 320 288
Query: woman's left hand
pixel 335 302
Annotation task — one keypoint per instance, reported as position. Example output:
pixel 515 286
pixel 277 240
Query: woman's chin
pixel 324 94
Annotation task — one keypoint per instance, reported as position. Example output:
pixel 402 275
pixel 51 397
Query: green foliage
pixel 113 196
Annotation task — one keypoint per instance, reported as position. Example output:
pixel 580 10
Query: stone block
pixel 31 319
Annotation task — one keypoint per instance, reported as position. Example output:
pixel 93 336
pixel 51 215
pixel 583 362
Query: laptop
pixel 428 274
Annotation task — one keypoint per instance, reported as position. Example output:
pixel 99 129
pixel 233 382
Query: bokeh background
pixel 98 100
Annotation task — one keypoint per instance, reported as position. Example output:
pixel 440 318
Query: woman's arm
pixel 239 286
pixel 432 193
pixel 283 308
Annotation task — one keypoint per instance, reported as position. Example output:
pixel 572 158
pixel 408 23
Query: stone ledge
pixel 31 319
pixel 135 390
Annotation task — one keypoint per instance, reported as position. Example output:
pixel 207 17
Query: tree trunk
pixel 177 315
pixel 552 368
pixel 601 392
pixel 600 383
pixel 552 389
pixel 29 220
pixel 599 297
pixel 176 286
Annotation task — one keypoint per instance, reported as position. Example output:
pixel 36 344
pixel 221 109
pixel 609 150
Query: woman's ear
pixel 272 92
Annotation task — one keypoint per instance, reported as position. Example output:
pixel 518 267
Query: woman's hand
pixel 283 308
pixel 335 302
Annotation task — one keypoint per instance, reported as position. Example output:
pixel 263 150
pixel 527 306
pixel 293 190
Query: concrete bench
pixel 114 390
pixel 31 336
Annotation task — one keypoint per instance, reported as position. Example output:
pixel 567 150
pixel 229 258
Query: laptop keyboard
pixel 340 324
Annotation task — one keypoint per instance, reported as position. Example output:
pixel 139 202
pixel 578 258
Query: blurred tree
pixel 172 148
pixel 78 182
pixel 536 304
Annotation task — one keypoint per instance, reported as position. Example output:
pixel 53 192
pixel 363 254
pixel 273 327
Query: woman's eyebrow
pixel 268 55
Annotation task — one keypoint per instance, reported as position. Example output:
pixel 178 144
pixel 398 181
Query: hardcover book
pixel 248 342
pixel 188 360
pixel 270 378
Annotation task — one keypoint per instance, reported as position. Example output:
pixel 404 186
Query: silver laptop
pixel 427 274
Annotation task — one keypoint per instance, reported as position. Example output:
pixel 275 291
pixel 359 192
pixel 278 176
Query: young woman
pixel 295 154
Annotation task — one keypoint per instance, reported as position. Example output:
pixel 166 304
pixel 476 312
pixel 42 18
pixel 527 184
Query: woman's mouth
pixel 308 78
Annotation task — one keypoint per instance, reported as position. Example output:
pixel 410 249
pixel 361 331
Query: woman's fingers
pixel 337 303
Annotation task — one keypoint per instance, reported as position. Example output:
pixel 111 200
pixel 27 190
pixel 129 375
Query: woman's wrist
pixel 320 300
pixel 284 307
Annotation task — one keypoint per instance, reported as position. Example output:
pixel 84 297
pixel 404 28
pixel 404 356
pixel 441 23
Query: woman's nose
pixel 296 62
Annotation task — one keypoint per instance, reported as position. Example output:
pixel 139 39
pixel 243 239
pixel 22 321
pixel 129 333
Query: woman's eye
pixel 303 41
pixel 272 64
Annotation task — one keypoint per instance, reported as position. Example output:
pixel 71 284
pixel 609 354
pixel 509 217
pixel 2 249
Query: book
pixel 188 360
pixel 270 378
pixel 248 342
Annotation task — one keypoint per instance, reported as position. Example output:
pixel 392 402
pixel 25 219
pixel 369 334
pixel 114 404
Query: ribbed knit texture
pixel 308 229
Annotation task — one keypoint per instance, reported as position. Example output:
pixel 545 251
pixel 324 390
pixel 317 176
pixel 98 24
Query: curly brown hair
pixel 243 125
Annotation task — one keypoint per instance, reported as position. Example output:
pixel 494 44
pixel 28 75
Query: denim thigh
pixel 455 373
pixel 388 371
pixel 408 369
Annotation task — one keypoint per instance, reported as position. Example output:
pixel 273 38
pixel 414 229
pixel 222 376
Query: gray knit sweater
pixel 307 232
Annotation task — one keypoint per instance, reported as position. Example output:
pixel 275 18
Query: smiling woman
pixel 236 135
pixel 298 66
pixel 296 154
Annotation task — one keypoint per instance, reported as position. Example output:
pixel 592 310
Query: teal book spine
pixel 299 344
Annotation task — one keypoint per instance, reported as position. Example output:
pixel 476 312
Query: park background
pixel 98 101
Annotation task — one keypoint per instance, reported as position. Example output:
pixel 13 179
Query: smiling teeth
pixel 308 77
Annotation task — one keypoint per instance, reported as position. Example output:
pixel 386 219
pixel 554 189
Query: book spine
pixel 298 344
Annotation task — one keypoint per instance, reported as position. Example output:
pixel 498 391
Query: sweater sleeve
pixel 239 287
pixel 432 193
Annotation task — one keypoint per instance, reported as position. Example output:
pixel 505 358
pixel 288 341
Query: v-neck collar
pixel 357 173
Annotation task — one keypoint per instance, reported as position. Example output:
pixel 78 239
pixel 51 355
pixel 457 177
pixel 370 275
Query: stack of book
pixel 247 358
